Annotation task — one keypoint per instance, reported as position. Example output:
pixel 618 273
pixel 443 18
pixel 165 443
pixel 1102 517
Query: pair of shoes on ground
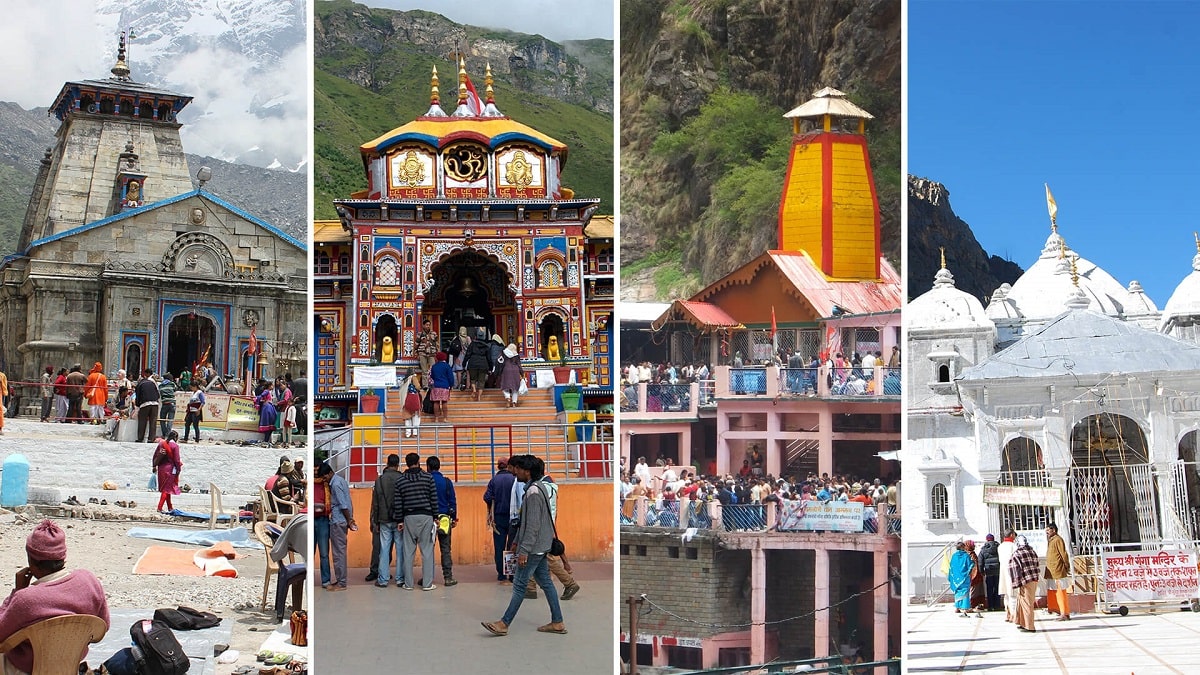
pixel 1023 629
pixel 1064 617
pixel 499 628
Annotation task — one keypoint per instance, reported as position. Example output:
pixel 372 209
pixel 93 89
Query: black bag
pixel 156 649
pixel 455 347
pixel 121 663
pixel 556 546
pixel 186 618
pixel 427 404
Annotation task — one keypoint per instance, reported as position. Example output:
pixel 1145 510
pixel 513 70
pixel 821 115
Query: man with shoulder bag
pixel 535 539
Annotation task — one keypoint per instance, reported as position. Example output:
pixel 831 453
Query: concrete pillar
pixel 685 447
pixel 882 590
pixel 820 603
pixel 825 451
pixel 774 448
pixel 641 402
pixel 722 442
pixel 758 604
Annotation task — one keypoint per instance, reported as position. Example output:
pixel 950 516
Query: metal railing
pixel 826 664
pixel 707 514
pixel 823 382
pixel 932 598
pixel 579 451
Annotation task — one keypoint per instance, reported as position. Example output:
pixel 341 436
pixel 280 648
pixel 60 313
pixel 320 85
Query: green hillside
pixel 396 72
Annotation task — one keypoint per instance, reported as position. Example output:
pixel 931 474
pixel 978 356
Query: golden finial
pixel 1074 271
pixel 943 250
pixel 488 80
pixel 433 86
pixel 1197 237
pixel 121 70
pixel 462 93
pixel 462 69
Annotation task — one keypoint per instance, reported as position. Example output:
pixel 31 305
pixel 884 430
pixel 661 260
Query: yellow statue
pixel 518 172
pixel 552 351
pixel 389 351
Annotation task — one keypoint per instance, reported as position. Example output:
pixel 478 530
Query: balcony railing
pixel 772 381
pixel 768 517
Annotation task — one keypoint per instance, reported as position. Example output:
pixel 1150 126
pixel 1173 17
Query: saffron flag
pixel 1051 205
pixel 833 339
pixel 253 349
pixel 774 327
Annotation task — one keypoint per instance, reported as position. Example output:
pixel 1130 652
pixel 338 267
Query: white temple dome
pixel 944 306
pixel 1043 291
pixel 1185 301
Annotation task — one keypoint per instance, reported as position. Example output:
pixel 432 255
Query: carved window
pixel 939 502
pixel 164 112
pixel 323 263
pixel 387 272
pixel 343 264
pixel 943 373
pixel 550 275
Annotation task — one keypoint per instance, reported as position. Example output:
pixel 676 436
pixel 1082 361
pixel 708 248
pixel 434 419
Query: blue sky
pixel 1099 99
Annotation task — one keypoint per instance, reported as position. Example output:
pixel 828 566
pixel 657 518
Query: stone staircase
pixel 479 432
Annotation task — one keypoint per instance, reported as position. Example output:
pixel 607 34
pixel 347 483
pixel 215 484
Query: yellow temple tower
pixel 829 207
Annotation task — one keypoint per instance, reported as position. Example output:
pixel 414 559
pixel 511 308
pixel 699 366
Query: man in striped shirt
pixel 415 504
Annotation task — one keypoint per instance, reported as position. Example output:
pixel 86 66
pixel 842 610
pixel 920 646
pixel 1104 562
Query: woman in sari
pixel 959 576
pixel 978 587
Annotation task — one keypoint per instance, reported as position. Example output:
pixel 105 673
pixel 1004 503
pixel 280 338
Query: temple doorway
pixel 474 291
pixel 386 348
pixel 190 340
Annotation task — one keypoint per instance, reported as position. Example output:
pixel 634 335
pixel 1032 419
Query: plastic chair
pixel 286 574
pixel 216 510
pixel 270 507
pixel 58 643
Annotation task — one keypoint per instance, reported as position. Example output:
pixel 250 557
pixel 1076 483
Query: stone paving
pixel 374 630
pixel 1142 643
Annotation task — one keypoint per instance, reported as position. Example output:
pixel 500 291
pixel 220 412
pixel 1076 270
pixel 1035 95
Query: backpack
pixel 455 347
pixel 156 649
pixel 186 618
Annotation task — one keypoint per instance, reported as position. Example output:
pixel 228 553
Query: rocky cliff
pixel 933 224
pixel 354 42
pixel 372 69
pixel 703 144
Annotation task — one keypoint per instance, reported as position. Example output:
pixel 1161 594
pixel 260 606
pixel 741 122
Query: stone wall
pixel 713 587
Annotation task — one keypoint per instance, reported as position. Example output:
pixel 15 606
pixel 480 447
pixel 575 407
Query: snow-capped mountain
pixel 244 61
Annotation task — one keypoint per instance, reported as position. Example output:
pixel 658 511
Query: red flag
pixel 473 103
pixel 774 328
pixel 253 343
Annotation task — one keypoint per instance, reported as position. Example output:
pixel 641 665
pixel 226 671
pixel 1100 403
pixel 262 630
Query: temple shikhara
pixel 121 260
pixel 780 397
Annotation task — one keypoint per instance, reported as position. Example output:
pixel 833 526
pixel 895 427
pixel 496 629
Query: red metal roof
pixel 856 297
pixel 704 315
pixel 822 292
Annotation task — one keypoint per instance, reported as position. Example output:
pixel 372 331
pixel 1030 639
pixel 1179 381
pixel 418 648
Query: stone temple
pixel 121 260
pixel 1069 398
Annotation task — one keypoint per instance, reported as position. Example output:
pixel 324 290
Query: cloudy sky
pixel 246 108
pixel 555 19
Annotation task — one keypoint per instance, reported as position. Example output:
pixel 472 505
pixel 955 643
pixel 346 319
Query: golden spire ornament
pixel 943 250
pixel 487 78
pixel 433 86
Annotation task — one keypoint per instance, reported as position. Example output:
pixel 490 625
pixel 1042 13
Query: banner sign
pixel 1025 495
pixel 1143 576
pixel 375 376
pixel 242 414
pixel 216 411
pixel 802 516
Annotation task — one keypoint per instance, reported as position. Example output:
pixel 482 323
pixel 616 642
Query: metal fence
pixel 712 515
pixel 469 452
